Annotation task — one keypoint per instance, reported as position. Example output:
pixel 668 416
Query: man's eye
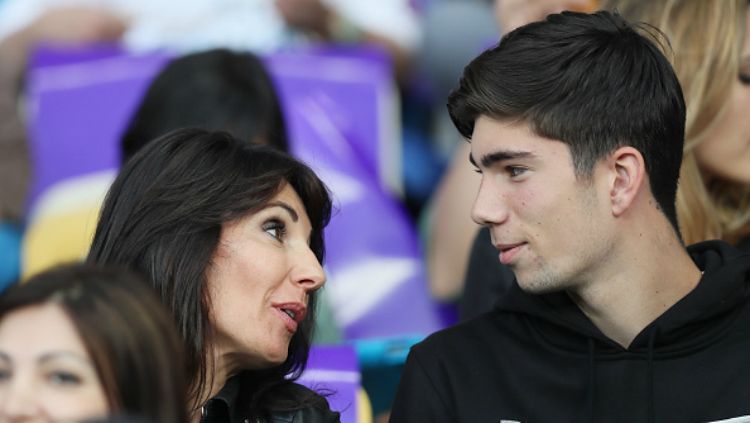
pixel 275 228
pixel 514 171
pixel 64 378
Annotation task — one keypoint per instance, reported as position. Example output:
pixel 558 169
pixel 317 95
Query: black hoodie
pixel 538 358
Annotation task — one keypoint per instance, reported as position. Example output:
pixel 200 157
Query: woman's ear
pixel 629 173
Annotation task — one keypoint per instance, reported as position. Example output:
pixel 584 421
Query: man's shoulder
pixel 486 328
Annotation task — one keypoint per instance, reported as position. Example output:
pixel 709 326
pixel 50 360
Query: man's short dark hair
pixel 591 81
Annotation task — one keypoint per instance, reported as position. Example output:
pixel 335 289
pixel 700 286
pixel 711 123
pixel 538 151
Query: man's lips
pixel 509 251
pixel 291 314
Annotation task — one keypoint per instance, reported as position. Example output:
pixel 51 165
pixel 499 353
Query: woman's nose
pixel 18 403
pixel 307 270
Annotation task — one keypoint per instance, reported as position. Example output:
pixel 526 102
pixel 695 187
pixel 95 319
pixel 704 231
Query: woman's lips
pixel 291 314
pixel 289 323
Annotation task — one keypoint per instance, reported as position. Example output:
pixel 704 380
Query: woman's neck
pixel 220 370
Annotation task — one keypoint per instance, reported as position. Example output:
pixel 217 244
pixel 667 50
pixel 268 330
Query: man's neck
pixel 648 276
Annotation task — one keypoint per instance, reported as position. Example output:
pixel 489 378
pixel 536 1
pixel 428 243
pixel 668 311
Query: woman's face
pixel 725 153
pixel 259 282
pixel 45 372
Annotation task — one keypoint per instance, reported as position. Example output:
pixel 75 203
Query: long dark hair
pixel 128 334
pixel 163 216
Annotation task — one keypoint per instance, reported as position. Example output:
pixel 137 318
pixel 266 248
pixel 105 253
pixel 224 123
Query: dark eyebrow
pixel 285 206
pixel 490 159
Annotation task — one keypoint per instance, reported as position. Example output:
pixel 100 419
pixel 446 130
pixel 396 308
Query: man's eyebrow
pixel 499 156
pixel 285 206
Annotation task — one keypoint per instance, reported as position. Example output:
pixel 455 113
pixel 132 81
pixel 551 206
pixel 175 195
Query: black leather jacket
pixel 228 406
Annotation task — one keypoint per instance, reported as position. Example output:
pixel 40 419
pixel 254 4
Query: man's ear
pixel 629 173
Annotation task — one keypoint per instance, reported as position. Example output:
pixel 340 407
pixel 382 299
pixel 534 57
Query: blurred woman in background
pixel 711 55
pixel 80 342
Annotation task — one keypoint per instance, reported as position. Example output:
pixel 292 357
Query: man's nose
pixel 490 205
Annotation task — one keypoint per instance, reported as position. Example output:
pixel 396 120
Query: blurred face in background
pixel 45 372
pixel 725 152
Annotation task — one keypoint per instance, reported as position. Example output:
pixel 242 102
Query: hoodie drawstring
pixel 592 380
pixel 650 389
pixel 650 393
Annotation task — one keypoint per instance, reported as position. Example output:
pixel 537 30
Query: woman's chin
pixel 274 358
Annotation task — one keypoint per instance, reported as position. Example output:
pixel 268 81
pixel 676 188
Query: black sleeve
pixel 486 278
pixel 420 397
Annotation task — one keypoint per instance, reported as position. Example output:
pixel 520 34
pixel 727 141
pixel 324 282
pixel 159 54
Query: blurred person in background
pixel 713 197
pixel 67 27
pixel 80 342
pixel 260 26
pixel 236 95
pixel 711 44
pixel 231 236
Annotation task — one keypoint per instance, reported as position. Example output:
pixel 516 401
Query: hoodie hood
pixel 694 320
pixel 538 358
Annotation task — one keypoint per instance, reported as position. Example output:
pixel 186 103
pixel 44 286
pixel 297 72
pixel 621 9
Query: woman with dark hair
pixel 82 342
pixel 231 237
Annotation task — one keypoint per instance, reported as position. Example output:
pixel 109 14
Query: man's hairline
pixel 586 176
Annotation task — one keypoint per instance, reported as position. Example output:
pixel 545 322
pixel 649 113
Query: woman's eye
pixel 744 78
pixel 275 228
pixel 64 378
pixel 5 375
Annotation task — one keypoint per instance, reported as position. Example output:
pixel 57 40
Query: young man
pixel 576 125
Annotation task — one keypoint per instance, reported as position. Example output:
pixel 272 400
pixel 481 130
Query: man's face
pixel 550 227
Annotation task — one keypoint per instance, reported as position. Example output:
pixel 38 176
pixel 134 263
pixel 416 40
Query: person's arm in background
pixel 72 25
pixel 451 227
pixel 14 156
pixel 323 20
pixel 451 230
